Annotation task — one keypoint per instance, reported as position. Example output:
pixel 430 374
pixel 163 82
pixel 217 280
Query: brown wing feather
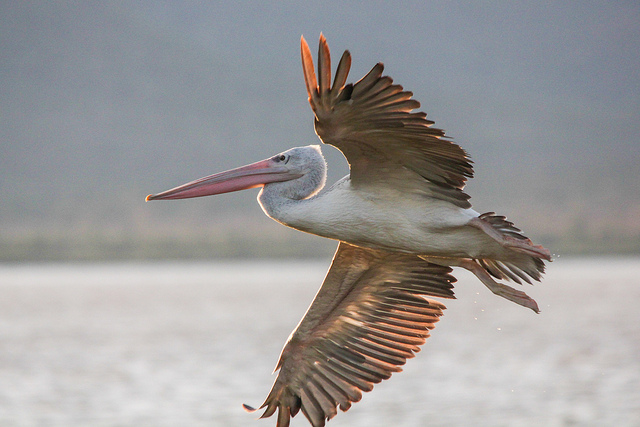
pixel 368 318
pixel 372 122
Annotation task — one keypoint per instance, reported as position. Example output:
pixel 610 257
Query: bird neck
pixel 284 201
pixel 322 214
pixel 280 206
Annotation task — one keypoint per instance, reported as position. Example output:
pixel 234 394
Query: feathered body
pixel 402 219
pixel 413 223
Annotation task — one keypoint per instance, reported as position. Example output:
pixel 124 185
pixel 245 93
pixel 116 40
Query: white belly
pixel 413 224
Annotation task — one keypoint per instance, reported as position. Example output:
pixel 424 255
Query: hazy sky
pixel 104 102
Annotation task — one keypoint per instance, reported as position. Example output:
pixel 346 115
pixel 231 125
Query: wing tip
pixel 308 72
pixel 248 408
pixel 324 67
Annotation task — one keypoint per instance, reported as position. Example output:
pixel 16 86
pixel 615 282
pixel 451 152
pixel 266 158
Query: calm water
pixel 172 344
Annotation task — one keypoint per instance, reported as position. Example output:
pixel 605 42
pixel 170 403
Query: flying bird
pixel 402 221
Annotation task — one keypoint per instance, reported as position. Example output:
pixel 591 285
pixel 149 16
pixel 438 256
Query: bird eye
pixel 282 158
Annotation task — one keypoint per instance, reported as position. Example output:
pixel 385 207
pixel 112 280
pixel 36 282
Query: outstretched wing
pixel 368 318
pixel 372 123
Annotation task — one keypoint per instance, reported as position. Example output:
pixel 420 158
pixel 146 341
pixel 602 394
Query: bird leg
pixel 497 288
pixel 520 243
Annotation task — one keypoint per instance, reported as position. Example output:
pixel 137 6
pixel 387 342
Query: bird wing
pixel 385 143
pixel 368 318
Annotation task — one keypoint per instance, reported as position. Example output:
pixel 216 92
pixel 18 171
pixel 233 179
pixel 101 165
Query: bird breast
pixel 381 219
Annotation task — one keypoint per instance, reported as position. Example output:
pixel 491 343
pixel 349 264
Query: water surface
pixel 185 344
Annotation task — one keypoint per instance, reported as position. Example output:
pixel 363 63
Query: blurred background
pixel 118 312
pixel 105 102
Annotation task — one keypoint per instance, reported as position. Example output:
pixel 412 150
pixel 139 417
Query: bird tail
pixel 525 261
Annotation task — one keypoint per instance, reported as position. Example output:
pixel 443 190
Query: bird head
pixel 297 173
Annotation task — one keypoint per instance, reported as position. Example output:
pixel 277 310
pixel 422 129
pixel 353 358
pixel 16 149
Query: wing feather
pixel 342 73
pixel 368 318
pixel 386 143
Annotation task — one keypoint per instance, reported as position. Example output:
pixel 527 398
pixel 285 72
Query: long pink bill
pixel 250 176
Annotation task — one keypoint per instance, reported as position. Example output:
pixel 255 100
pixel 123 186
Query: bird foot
pixel 497 288
pixel 513 295
pixel 527 247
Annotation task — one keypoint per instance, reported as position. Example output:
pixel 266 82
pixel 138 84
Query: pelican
pixel 402 221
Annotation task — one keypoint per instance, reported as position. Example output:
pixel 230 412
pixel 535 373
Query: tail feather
pixel 502 225
pixel 524 270
pixel 527 261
